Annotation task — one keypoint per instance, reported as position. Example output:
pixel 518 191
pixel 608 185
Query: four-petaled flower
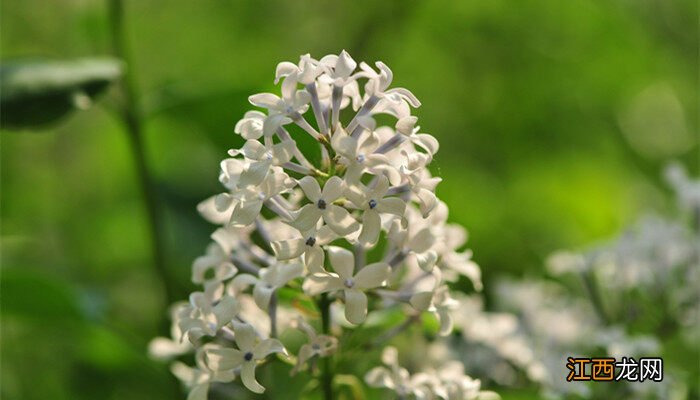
pixel 309 244
pixel 336 217
pixel 352 284
pixel 250 350
pixel 371 202
pixel 318 345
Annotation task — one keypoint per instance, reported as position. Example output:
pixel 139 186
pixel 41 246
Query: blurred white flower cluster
pixel 446 382
pixel 325 209
pixel 624 298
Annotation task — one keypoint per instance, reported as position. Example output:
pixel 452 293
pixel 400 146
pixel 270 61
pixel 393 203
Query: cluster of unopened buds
pixel 327 216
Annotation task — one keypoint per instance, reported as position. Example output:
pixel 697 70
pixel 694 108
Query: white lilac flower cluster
pixel 351 221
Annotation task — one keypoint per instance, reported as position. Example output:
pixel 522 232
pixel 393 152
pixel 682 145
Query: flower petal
pixel 313 258
pixel 421 300
pixel 342 260
pixel 333 189
pixel 379 377
pixel 264 100
pixel 372 276
pixel 392 205
pixel 445 323
pixel 427 142
pixel 371 225
pixel 223 359
pixel 340 220
pixel 305 352
pixel 311 188
pixel 427 201
pixel 425 261
pixel 244 335
pixel 380 188
pixel 344 65
pixel 283 69
pixel 267 347
pixel 355 306
pixel 287 272
pixel 262 293
pixel 226 310
pixel 289 86
pixel 254 150
pixel 223 202
pixel 307 217
pixel 405 125
pixel 322 283
pixel 248 377
pixel 274 122
pixel 245 212
pixel 283 151
pixel 254 173
pixel 287 249
pixel 199 392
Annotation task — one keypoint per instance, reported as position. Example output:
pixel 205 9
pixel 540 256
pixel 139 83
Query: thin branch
pixel 132 118
pixel 272 312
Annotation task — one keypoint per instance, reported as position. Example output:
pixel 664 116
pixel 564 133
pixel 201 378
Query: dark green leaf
pixel 34 93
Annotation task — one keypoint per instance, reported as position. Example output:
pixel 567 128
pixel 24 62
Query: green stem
pixel 594 295
pixel 131 117
pixel 327 367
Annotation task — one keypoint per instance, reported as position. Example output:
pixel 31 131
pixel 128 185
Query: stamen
pixel 321 204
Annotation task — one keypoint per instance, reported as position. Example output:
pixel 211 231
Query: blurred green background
pixel 555 119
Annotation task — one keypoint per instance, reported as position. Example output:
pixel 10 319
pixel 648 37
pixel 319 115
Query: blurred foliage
pixel 555 118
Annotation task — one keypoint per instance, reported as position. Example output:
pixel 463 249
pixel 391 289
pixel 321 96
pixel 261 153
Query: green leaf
pixel 35 93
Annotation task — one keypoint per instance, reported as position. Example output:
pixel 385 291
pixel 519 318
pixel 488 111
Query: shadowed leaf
pixel 35 93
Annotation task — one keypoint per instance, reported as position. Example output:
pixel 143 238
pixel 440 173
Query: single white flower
pixel 442 307
pixel 336 217
pixel 199 378
pixel 291 105
pixel 306 72
pixel 164 348
pixel 394 377
pixel 352 284
pixel 317 346
pixel 308 245
pixel 260 158
pixel 358 156
pixel 248 202
pixel 394 101
pixel 407 126
pixel 207 312
pixel 213 267
pixel 250 350
pixel 422 185
pixel 273 278
pixel 372 202
pixel 251 125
